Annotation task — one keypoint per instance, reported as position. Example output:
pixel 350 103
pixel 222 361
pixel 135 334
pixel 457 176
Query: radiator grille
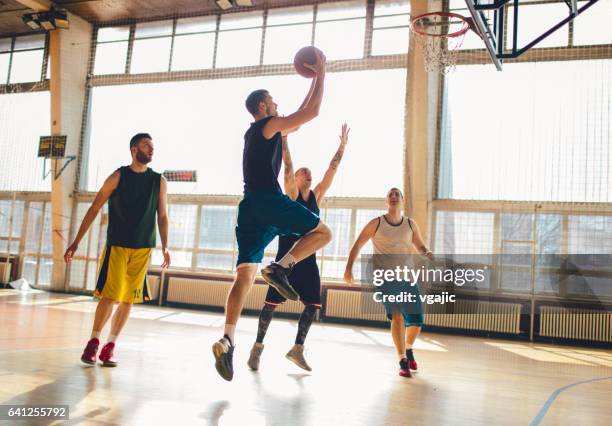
pixel 214 293
pixel 488 316
pixel 575 323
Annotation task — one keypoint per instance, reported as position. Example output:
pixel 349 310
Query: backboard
pixel 495 19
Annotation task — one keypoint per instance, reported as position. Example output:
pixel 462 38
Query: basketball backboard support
pixel 492 24
pixel 53 148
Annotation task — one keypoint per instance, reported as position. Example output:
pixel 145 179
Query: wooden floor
pixel 166 374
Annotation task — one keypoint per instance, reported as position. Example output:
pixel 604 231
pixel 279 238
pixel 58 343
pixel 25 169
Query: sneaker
pixel 277 277
pixel 90 352
pixel 404 369
pixel 256 351
pixel 296 355
pixel 106 355
pixel 411 361
pixel 223 350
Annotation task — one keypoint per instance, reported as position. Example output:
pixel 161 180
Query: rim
pixel 458 33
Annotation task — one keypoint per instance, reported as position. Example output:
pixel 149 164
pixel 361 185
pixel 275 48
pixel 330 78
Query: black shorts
pixel 305 279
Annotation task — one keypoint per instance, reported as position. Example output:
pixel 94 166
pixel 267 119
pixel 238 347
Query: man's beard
pixel 142 157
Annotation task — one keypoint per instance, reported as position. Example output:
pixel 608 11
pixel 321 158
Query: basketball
pixel 306 55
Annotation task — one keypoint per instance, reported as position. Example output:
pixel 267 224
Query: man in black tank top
pixel 266 212
pixel 305 277
pixel 136 196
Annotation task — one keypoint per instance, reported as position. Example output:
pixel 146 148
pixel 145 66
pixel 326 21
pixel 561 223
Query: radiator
pixel 153 282
pixel 347 304
pixel 497 317
pixel 488 316
pixel 209 292
pixel 575 323
pixel 5 272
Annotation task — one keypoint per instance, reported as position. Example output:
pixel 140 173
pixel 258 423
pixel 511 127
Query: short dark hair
pixel 138 137
pixel 396 189
pixel 254 99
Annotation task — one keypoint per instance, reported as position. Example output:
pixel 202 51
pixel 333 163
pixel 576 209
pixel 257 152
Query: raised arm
pixel 110 184
pixel 162 220
pixel 289 181
pixel 328 178
pixel 366 234
pixel 310 110
pixel 417 240
pixel 304 104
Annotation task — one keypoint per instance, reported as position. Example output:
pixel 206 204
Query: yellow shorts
pixel 122 275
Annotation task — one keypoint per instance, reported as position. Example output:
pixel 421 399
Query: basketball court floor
pixel 495 124
pixel 167 374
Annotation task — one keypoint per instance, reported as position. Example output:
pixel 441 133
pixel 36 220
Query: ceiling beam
pixel 37 5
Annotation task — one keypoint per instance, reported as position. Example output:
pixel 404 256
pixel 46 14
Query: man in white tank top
pixel 395 234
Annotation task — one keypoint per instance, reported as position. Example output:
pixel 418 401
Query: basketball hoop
pixel 440 34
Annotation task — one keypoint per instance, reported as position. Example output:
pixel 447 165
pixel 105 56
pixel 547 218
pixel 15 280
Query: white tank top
pixel 393 239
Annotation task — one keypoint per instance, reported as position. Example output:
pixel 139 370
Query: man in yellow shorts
pixel 136 195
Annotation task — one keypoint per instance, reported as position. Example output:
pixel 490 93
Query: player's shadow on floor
pixel 70 388
pixel 278 411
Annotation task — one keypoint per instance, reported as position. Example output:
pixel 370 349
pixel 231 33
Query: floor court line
pixel 538 418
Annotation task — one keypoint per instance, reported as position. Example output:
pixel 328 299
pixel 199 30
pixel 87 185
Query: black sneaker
pixel 223 350
pixel 277 277
pixel 404 369
pixel 411 361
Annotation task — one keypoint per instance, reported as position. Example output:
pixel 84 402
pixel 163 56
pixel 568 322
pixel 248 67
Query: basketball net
pixel 440 34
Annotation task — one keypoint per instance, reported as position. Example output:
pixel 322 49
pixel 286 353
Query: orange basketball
pixel 306 55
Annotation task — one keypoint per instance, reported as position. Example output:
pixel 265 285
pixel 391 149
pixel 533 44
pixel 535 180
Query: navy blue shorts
pixel 264 215
pixel 306 281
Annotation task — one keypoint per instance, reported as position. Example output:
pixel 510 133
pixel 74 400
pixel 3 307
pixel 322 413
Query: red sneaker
pixel 106 355
pixel 89 354
pixel 404 370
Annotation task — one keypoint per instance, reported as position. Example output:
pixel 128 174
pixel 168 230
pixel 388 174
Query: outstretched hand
pixel 344 134
pixel 70 251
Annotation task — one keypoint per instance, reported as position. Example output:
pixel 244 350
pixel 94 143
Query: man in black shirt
pixel 266 212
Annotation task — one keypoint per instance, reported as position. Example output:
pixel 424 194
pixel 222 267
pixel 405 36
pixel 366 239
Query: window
pixel 239 39
pixel 536 19
pixel 111 50
pixel 194 135
pixel 10 210
pixel 21 59
pixel 391 27
pixel 288 30
pixel 593 26
pixel 151 51
pixel 537 142
pixel 21 169
pixel 340 29
pixel 194 43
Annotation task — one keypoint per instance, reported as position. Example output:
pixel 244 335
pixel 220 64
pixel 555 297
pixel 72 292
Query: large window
pixel 21 59
pixel 340 29
pixel 287 31
pixel 391 27
pixel 194 43
pixel 542 133
pixel 229 40
pixel 239 39
pixel 151 51
pixel 111 50
pixel 24 118
pixel 190 131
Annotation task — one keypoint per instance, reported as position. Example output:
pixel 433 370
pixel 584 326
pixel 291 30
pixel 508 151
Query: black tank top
pixel 261 159
pixel 285 242
pixel 132 209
